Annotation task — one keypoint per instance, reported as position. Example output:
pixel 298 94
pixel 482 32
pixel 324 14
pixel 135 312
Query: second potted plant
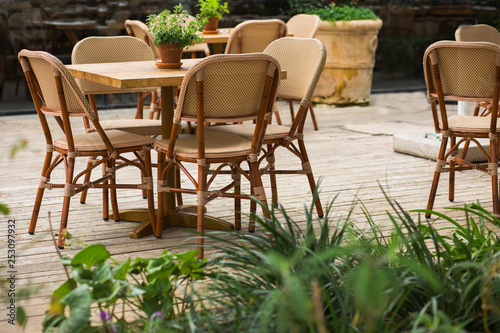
pixel 171 35
pixel 211 11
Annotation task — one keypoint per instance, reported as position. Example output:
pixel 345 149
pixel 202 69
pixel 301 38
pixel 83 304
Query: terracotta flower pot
pixel 211 25
pixel 170 55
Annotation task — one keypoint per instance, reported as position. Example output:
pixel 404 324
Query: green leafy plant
pixel 212 8
pixel 333 13
pixel 169 27
pixel 152 289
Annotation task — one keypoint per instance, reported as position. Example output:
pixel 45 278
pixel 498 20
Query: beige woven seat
pixel 303 59
pixel 254 35
pixel 220 88
pixel 463 71
pixel 116 49
pixel 303 26
pixel 55 93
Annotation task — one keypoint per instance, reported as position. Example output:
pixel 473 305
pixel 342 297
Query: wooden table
pixel 146 74
pixel 217 39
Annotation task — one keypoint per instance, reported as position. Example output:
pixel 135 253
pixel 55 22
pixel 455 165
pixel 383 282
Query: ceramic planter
pixel 348 72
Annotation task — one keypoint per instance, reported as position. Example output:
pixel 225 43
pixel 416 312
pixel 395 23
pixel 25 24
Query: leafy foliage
pixel 151 288
pixel 335 13
pixel 324 276
pixel 169 27
pixel 212 8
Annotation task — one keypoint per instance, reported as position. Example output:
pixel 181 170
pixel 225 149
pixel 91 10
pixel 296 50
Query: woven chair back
pixel 110 49
pixel 140 30
pixel 477 33
pixel 303 25
pixel 466 70
pixel 255 35
pixel 232 87
pixel 46 68
pixel 303 60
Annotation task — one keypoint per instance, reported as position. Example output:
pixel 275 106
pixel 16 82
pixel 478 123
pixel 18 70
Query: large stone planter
pixel 347 76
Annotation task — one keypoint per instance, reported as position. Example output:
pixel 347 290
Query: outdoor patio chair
pixel 463 71
pixel 303 59
pixel 116 49
pixel 220 88
pixel 55 93
pixel 303 26
pixel 254 35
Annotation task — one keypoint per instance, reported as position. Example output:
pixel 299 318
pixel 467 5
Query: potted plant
pixel 171 35
pixel 211 11
pixel 349 34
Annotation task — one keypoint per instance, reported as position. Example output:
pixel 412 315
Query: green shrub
pixel 335 13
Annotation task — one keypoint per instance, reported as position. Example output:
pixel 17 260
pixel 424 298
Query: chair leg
pixel 39 195
pixel 494 175
pixel 139 113
pixel 150 194
pixel 105 196
pixel 201 202
pixel 435 181
pixel 178 185
pixel 258 188
pixel 272 177
pixel 83 195
pixel 451 178
pixel 160 213
pixel 68 187
pixel 237 201
pixel 313 116
pixel 306 166
pixel 112 190
pixel 292 113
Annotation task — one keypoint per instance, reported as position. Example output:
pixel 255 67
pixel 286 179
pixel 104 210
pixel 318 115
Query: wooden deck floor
pixel 351 153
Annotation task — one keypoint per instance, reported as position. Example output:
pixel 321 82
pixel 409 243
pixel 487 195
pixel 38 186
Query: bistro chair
pixel 463 71
pixel 55 93
pixel 254 35
pixel 303 59
pixel 303 26
pixel 116 49
pixel 220 88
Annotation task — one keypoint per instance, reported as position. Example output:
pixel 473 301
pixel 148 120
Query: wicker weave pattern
pixel 232 88
pixel 136 126
pixel 110 49
pixel 462 76
pixel 246 130
pixel 255 35
pixel 216 144
pixel 45 66
pixel 93 141
pixel 303 74
pixel 303 25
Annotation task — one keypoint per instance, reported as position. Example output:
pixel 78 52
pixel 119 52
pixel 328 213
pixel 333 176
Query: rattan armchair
pixel 254 35
pixel 463 71
pixel 303 59
pixel 220 88
pixel 55 93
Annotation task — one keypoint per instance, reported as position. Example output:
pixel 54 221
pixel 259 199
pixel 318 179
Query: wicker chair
pixel 254 35
pixel 55 93
pixel 116 49
pixel 303 59
pixel 220 88
pixel 463 71
pixel 303 26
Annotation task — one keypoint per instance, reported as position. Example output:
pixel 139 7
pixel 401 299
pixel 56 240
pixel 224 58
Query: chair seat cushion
pixel 247 130
pixel 470 123
pixel 136 126
pixel 92 141
pixel 217 145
